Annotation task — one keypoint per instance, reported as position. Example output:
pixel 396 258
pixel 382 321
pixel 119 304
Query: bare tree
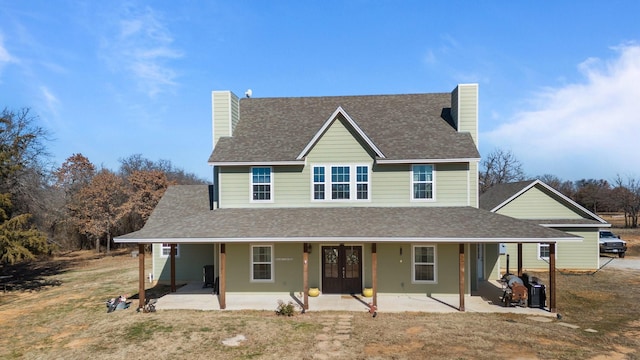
pixel 566 188
pixel 593 194
pixel 500 167
pixel 175 175
pixel 627 196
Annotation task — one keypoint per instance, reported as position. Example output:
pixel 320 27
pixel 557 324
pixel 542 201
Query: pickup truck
pixel 612 244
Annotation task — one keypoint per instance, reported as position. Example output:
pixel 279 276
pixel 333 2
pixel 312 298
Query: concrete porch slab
pixel 194 297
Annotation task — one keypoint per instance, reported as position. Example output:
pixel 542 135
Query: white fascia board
pixel 571 202
pixel 347 239
pixel 256 163
pixel 576 225
pixel 427 161
pixel 166 240
pixel 330 121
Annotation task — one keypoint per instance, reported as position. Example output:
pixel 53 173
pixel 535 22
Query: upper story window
pixel 261 184
pixel 422 182
pixel 341 182
pixel 362 182
pixel 318 183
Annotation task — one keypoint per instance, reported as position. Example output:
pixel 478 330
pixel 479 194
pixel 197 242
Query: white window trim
pixel 271 181
pixel 540 245
pixel 251 277
pixel 353 183
pixel 433 183
pixel 167 246
pixel 413 264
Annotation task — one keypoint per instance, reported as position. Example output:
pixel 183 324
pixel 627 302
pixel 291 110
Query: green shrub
pixel 288 309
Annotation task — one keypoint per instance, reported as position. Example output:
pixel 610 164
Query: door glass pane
pixel 352 265
pixel 331 263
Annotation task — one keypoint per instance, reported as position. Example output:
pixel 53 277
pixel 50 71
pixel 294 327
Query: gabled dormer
pixel 341 116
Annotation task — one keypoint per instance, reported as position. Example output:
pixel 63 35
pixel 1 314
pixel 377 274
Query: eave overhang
pixel 344 240
pixel 257 163
pixel 427 161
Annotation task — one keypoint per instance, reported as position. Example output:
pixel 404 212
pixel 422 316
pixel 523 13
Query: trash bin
pixel 207 274
pixel 537 292
pixel 537 295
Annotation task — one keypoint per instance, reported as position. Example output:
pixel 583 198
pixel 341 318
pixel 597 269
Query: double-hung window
pixel 166 250
pixel 422 182
pixel 318 183
pixel 340 182
pixel 261 184
pixel 362 182
pixel 424 264
pixel 262 263
pixel 543 251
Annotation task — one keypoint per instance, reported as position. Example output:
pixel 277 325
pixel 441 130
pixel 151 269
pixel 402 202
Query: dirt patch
pixel 375 349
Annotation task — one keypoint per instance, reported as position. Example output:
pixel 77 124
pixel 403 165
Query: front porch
pixel 193 296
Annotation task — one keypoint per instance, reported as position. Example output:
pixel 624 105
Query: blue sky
pixel 559 81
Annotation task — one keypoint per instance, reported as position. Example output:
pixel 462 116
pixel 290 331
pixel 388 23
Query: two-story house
pixel 338 193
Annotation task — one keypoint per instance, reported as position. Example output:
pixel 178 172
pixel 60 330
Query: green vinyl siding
pixel 538 204
pixel 468 110
pixel 286 271
pixel 464 109
pixel 225 112
pixel 473 184
pixel 574 255
pixel 492 262
pixel 398 281
pixel 390 186
pixel 452 182
pixel 339 144
pixel 189 263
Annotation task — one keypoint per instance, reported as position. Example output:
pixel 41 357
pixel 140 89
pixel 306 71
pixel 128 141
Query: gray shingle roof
pixel 414 126
pixel 183 215
pixel 499 193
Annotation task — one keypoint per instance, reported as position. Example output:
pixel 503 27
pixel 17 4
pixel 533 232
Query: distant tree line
pixel 76 205
pixel 596 195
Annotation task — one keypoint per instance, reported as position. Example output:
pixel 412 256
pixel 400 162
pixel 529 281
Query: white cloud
pixel 142 46
pixel 583 130
pixel 51 102
pixel 5 57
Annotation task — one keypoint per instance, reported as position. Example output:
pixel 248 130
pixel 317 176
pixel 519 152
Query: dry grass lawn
pixel 59 312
